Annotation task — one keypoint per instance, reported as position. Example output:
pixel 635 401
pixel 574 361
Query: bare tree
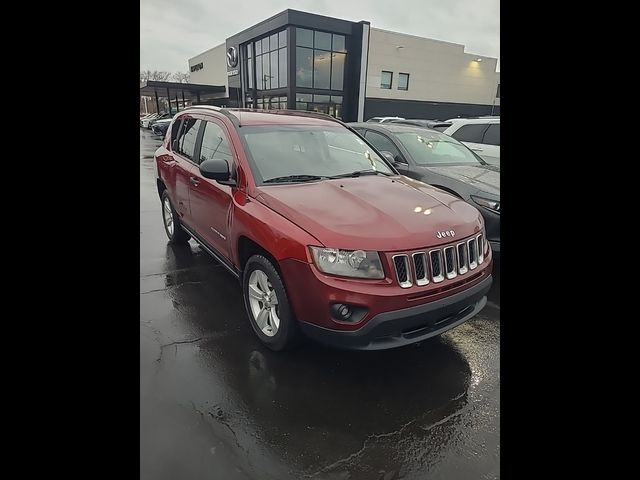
pixel 146 75
pixel 181 77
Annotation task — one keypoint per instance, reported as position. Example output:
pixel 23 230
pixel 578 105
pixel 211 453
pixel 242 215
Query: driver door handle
pixel 476 149
pixel 194 181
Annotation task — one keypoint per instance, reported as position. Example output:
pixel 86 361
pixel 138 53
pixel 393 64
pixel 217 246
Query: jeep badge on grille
pixel 446 233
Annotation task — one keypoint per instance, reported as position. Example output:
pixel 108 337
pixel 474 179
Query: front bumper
pixel 402 327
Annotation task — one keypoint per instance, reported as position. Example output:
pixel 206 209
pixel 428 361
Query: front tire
pixel 267 305
pixel 171 221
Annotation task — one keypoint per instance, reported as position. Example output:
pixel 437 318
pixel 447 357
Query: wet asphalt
pixel 215 403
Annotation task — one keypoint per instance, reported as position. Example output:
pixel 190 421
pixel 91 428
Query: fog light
pixel 341 311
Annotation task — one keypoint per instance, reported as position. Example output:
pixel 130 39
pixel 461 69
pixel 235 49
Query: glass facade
pixel 320 59
pixel 269 55
pixel 319 67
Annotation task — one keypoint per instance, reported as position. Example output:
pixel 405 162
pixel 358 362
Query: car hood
pixel 483 177
pixel 373 212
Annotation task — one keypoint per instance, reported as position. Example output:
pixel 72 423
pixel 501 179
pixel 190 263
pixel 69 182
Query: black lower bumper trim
pixel 409 325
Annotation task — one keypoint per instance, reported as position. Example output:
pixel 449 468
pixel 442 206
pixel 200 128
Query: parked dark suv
pixel 444 162
pixel 324 235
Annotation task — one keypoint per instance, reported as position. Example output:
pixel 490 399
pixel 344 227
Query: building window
pixel 338 43
pixel 272 103
pixel 337 70
pixel 386 79
pixel 322 40
pixel 321 69
pixel 249 66
pixel 271 58
pixel 328 104
pixel 302 100
pixel 320 59
pixel 498 92
pixel 304 67
pixel 304 37
pixel 403 81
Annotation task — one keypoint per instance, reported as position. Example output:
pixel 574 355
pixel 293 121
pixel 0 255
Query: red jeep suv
pixel 326 238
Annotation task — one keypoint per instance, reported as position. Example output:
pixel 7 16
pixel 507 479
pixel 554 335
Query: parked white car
pixel 482 135
pixel 383 119
pixel 144 122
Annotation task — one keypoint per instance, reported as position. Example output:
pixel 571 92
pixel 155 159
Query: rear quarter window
pixel 492 135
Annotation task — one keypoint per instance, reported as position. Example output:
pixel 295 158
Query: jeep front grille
pixel 442 263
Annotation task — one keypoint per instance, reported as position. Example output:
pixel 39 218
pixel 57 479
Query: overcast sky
pixel 172 31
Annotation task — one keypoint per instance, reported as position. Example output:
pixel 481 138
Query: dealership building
pixel 349 70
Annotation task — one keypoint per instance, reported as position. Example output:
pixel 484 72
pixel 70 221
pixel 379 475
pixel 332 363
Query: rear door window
pixel 188 137
pixel 470 133
pixel 175 130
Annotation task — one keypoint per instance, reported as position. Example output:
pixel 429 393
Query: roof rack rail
pixel 228 112
pixel 221 110
pixel 297 113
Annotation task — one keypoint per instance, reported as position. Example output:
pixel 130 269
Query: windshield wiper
pixel 294 178
pixel 358 173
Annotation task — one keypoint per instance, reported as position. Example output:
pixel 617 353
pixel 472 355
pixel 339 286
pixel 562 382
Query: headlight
pixel 490 204
pixel 348 263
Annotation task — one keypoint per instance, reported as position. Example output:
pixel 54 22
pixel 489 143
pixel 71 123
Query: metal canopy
pixel 190 90
pixel 175 91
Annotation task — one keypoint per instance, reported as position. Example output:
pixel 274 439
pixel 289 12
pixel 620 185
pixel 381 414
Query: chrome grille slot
pixel 401 263
pixel 437 272
pixel 480 239
pixel 420 265
pixel 461 248
pixel 473 253
pixel 450 262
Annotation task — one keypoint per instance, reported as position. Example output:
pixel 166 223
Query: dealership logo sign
pixel 232 57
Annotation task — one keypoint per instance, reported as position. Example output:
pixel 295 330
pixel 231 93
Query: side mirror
pixel 388 156
pixel 217 169
pixel 393 160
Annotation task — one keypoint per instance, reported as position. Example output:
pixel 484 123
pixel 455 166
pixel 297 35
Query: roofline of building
pixel 436 40
pixel 206 51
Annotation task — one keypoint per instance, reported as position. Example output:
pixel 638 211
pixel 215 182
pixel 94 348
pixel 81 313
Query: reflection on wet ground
pixel 215 403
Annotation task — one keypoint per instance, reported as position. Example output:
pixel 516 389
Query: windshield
pixel 432 148
pixel 307 152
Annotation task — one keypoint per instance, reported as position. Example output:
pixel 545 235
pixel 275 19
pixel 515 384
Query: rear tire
pixel 171 221
pixel 267 305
